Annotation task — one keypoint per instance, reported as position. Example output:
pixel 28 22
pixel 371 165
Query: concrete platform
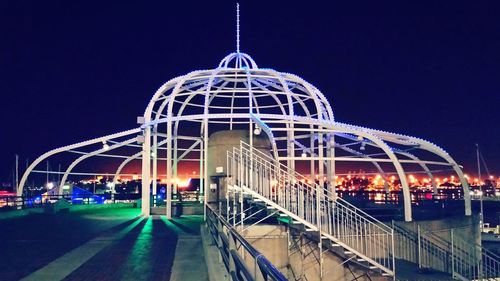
pixel 108 244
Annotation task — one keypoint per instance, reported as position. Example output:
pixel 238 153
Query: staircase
pixel 463 260
pixel 257 177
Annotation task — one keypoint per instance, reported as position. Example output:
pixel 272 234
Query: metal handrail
pixel 461 258
pixel 267 269
pixel 329 194
pixel 252 171
pixel 296 174
pixel 478 262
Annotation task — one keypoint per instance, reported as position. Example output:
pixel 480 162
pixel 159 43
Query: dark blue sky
pixel 72 70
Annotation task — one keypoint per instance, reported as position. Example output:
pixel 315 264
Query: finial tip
pixel 237 27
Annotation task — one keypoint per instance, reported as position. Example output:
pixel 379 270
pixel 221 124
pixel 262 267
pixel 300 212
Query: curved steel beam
pixel 90 154
pixel 395 161
pixel 424 167
pixel 443 154
pixel 126 161
pixel 409 155
pixel 376 164
pixel 66 148
pixel 329 127
pixel 430 147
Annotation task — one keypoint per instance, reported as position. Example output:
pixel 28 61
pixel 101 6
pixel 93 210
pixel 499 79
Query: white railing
pixel 422 248
pixel 464 260
pixel 317 208
pixel 471 261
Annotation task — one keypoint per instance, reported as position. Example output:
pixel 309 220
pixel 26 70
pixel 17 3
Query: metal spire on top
pixel 238 27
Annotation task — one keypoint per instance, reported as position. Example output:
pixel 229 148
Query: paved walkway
pixel 128 247
pixel 189 262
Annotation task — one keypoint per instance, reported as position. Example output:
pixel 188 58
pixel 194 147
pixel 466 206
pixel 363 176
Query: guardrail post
pixel 419 245
pixel 452 255
pixel 479 262
pixel 255 268
pixel 319 193
pixel 393 253
pixel 232 246
pixel 218 228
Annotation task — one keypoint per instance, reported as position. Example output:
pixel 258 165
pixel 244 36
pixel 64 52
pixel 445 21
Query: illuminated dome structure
pixel 238 95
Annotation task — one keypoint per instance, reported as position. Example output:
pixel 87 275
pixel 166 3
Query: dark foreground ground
pixel 106 244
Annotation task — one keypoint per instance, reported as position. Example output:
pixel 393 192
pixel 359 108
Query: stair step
pixel 346 216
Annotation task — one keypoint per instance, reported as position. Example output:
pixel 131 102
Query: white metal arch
pixel 336 128
pixel 395 161
pixel 66 148
pixel 424 167
pixel 443 154
pixel 388 151
pixel 374 163
pixel 430 147
pixel 88 155
pixel 409 155
pixel 236 57
pixel 244 80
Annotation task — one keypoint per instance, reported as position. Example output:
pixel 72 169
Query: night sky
pixel 74 70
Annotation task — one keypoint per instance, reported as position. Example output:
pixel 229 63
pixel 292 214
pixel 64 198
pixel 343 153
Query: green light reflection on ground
pixel 139 262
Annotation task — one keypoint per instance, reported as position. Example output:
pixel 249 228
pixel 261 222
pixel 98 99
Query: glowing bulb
pixel 362 147
pixel 304 154
pixel 105 145
pixel 257 130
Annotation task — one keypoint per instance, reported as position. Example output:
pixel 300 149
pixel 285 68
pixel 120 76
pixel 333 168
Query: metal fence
pixel 24 202
pixel 39 201
pixel 462 259
pixel 233 250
